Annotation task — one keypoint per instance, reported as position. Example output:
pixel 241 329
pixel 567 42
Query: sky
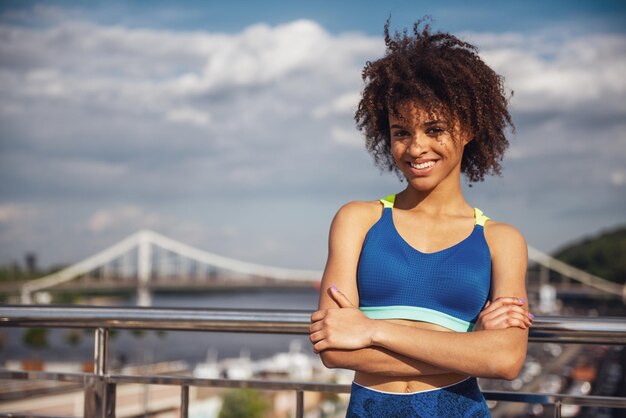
pixel 229 125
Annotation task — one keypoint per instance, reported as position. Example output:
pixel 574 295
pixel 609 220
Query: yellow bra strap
pixel 389 201
pixel 479 217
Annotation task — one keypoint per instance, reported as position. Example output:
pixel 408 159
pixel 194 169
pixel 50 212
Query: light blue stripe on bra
pixel 417 314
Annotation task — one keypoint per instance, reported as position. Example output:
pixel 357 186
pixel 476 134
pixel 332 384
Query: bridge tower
pixel 144 269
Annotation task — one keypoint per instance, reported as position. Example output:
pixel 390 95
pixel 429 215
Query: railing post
pixel 100 395
pixel 184 401
pixel 299 404
pixel 101 351
pixel 557 409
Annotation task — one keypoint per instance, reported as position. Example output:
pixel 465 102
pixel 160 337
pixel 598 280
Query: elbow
pixel 510 366
pixel 330 359
pixel 509 372
pixel 507 358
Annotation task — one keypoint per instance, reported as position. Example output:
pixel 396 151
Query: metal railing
pixel 100 386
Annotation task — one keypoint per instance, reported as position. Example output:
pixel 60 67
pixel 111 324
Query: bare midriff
pixel 409 384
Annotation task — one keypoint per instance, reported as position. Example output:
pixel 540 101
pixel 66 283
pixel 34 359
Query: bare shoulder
pixel 500 231
pixel 347 233
pixel 504 239
pixel 358 214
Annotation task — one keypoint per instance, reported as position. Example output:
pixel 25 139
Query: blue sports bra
pixel 447 287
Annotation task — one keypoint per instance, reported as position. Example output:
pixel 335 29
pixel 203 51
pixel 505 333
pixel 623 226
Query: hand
pixel 504 312
pixel 345 327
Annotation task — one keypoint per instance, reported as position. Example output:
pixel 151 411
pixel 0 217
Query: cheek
pixel 397 151
pixel 445 141
pixel 450 145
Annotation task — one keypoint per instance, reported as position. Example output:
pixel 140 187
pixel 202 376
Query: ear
pixel 467 139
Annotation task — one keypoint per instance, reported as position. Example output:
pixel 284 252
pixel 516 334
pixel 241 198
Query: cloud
pixel 549 72
pixel 188 115
pixel 347 136
pixel 341 105
pixel 260 54
pixel 122 217
pixel 12 212
pixel 618 178
pixel 105 129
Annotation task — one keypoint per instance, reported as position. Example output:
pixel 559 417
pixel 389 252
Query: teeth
pixel 423 165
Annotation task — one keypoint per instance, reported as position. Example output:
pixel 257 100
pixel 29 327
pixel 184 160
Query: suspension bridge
pixel 147 260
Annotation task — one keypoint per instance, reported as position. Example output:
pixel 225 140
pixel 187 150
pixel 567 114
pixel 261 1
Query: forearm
pixel 378 360
pixel 490 353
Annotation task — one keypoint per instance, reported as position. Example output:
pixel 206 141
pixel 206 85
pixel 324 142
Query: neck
pixel 446 197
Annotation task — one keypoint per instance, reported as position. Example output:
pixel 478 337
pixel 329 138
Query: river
pixel 151 346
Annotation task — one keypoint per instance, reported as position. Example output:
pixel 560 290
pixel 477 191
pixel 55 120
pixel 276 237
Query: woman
pixel 409 276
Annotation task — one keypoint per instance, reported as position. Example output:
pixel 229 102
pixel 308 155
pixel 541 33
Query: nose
pixel 418 145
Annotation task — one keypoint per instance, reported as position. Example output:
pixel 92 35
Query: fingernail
pixel 334 288
pixel 521 301
pixel 532 316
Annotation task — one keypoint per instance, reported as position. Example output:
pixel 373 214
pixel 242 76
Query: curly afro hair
pixel 442 74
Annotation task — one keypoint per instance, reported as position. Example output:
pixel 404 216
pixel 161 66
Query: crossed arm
pixel 346 338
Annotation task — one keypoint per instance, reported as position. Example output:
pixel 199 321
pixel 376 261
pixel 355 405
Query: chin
pixel 421 184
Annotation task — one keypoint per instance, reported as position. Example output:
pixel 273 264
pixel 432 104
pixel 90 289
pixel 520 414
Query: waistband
pixel 413 393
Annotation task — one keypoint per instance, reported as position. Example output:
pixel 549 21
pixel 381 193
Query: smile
pixel 422 166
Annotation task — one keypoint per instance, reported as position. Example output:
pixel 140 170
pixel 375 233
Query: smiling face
pixel 426 146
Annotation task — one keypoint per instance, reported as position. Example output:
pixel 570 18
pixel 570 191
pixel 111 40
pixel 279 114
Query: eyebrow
pixel 436 122
pixel 427 123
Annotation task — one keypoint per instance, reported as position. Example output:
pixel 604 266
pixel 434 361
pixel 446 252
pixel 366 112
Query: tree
pixel 36 338
pixel 73 338
pixel 244 403
pixel 603 255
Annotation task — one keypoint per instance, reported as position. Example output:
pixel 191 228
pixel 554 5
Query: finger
pixel 492 306
pixel 510 300
pixel 508 308
pixel 489 309
pixel 484 307
pixel 316 337
pixel 508 320
pixel 318 315
pixel 340 298
pixel 517 322
pixel 501 314
pixel 503 323
pixel 528 317
pixel 521 317
pixel 502 301
pixel 316 326
pixel 320 346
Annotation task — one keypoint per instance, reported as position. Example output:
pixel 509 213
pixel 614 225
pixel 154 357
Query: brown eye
pixel 435 131
pixel 400 134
